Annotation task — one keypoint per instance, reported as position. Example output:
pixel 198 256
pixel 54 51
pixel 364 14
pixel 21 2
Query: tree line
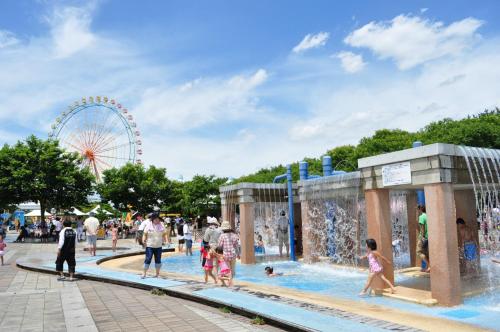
pixel 481 130
pixel 41 171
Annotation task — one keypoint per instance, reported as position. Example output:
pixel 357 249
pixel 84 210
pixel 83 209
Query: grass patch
pixel 258 321
pixel 225 310
pixel 157 291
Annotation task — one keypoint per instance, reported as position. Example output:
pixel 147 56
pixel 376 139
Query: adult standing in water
pixel 154 237
pixel 91 225
pixel 188 237
pixel 283 233
pixel 229 242
pixel 180 234
pixel 423 243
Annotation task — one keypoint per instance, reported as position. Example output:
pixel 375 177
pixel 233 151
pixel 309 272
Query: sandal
pixel 61 278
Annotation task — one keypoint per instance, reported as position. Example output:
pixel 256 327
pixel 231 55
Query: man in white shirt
pixel 91 225
pixel 58 226
pixel 140 231
pixel 188 237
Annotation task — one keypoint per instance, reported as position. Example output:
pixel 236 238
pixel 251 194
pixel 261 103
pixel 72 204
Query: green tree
pixel 135 187
pixel 482 130
pixel 39 170
pixel 200 196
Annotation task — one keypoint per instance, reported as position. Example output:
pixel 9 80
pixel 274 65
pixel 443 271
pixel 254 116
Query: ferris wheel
pixel 102 131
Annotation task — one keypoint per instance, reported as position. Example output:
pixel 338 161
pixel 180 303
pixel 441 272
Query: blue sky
pixel 228 87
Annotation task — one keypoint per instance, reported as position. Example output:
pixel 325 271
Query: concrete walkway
pixel 32 301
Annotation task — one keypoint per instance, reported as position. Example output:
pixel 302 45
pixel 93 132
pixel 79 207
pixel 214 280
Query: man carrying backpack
pixel 66 251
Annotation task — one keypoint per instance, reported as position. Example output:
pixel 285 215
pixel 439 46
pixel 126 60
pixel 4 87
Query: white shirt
pixel 91 225
pixel 155 234
pixel 58 225
pixel 187 232
pixel 144 223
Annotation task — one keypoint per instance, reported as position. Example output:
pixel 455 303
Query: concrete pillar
pixel 308 251
pixel 297 213
pixel 443 253
pixel 378 217
pixel 465 207
pixel 229 213
pixel 247 233
pixel 411 214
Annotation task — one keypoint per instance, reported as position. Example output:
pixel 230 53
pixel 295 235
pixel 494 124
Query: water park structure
pixel 330 216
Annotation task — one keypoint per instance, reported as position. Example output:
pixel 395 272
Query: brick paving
pixel 35 302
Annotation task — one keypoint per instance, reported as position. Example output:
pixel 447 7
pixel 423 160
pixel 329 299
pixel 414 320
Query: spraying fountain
pixel 334 213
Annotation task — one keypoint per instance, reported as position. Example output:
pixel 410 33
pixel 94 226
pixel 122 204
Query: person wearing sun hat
pixel 229 242
pixel 212 233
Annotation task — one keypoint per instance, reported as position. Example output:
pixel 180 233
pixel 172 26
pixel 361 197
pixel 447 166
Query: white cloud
pixel 70 28
pixel 423 10
pixel 352 63
pixel 201 102
pixel 311 41
pixel 445 88
pixel 7 39
pixel 412 40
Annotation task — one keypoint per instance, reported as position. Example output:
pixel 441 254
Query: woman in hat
pixel 212 233
pixel 154 236
pixel 229 242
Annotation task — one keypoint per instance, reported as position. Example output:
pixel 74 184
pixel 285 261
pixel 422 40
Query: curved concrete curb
pixel 288 326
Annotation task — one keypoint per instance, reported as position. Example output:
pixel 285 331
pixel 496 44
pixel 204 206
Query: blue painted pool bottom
pixel 295 315
pixel 482 310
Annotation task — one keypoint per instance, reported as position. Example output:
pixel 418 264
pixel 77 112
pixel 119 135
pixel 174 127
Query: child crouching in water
pixel 224 269
pixel 375 266
pixel 208 266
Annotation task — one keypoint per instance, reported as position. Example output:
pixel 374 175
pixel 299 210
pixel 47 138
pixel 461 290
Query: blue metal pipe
pixel 327 166
pixel 420 193
pixel 303 170
pixel 279 178
pixel 291 223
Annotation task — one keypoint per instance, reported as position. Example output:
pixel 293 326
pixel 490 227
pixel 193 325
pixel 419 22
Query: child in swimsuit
pixel 114 236
pixel 209 264
pixel 269 270
pixel 2 247
pixel 224 269
pixel 376 268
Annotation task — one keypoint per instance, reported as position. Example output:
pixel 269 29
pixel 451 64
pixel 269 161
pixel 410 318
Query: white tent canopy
pixel 37 213
pixel 98 208
pixel 78 212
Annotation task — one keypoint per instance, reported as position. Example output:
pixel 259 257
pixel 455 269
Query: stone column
pixel 411 214
pixel 443 253
pixel 247 232
pixel 297 213
pixel 229 212
pixel 307 240
pixel 378 217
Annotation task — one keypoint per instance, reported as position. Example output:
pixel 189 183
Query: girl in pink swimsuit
pixel 114 236
pixel 209 264
pixel 376 268
pixel 224 269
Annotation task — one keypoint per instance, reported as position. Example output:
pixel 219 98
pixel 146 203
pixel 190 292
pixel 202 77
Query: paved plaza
pixel 33 301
